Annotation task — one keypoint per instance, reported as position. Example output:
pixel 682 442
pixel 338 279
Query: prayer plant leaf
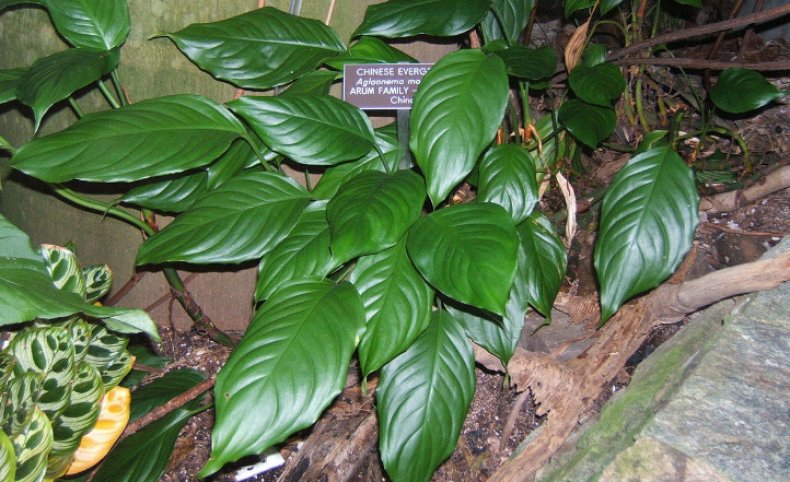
pixel 544 262
pixel 588 123
pixel 7 459
pixel 468 252
pixel 9 81
pixel 370 50
pixel 32 448
pixel 82 410
pixel 422 400
pixel 397 305
pixel 599 85
pixel 335 176
pixel 91 24
pixel 456 113
pixel 304 252
pixel 310 129
pixel 372 211
pixel 407 18
pixel 240 221
pixel 260 49
pixel 54 78
pixel 740 90
pixel 506 20
pixel 507 177
pixel 648 218
pixel 290 365
pixel 166 135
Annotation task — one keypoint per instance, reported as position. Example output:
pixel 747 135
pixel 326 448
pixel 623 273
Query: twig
pixel 705 64
pixel 125 289
pixel 728 201
pixel 747 36
pixel 755 18
pixel 719 39
pixel 511 419
pixel 169 406
pixel 725 229
pixel 329 13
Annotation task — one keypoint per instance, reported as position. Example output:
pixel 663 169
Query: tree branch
pixel 705 64
pixel 728 201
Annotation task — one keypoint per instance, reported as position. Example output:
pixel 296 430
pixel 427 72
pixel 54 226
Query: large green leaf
pixel 741 90
pixel 311 129
pixel 397 305
pixel 598 85
pixel 318 82
pixel 648 218
pixel 468 252
pixel 291 363
pixel 91 24
pixel 384 158
pixel 238 157
pixel 588 123
pixel 160 136
pixel 456 113
pixel 9 81
pixel 372 211
pixel 529 63
pixel 506 20
pixel 497 335
pixel 407 18
pixel 609 5
pixel 32 448
pixel 81 413
pixel 143 456
pixel 47 351
pixel 240 221
pixel 542 262
pixel 52 79
pixel 259 49
pixel 162 390
pixel 14 243
pixel 576 5
pixel 422 400
pixel 7 459
pixel 170 195
pixel 369 50
pixel 305 252
pixel 507 177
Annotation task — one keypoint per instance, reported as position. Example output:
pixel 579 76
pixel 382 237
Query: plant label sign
pixel 382 86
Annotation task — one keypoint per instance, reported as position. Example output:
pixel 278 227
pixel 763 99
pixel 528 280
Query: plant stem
pixel 101 207
pixel 108 95
pixel 116 80
pixel 76 107
pixel 257 148
pixel 640 110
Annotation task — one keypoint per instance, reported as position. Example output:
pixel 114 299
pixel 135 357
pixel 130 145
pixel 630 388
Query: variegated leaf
pixel 22 393
pixel 64 268
pixel 32 448
pixel 98 281
pixel 7 459
pixel 80 332
pixel 113 373
pixel 81 414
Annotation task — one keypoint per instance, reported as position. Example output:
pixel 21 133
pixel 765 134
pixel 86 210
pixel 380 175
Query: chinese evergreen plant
pixel 380 259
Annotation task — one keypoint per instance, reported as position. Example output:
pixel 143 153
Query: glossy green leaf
pixel 310 129
pixel 506 20
pixel 457 111
pixel 238 157
pixel 172 195
pixel 303 253
pixel 259 49
pixel 9 81
pixel 318 82
pixel 143 355
pixel 691 3
pixel 335 176
pixel 407 18
pixel 648 218
pixel 507 177
pixel 47 351
pixel 422 400
pixel 372 211
pixel 123 320
pixel 98 281
pixel 162 390
pixel 600 85
pixel 54 78
pixel 397 305
pixel 609 5
pixel 7 457
pixel 468 252
pixel 144 455
pixel 240 221
pixel 588 123
pixel 498 335
pixel 8 3
pixel 82 411
pixel 64 268
pixel 91 24
pixel 32 448
pixel 529 63
pixel 542 262
pixel 576 5
pixel 14 243
pixel 291 363
pixel 369 50
pixel 594 54
pixel 165 135
pixel 741 90
pixel 20 398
